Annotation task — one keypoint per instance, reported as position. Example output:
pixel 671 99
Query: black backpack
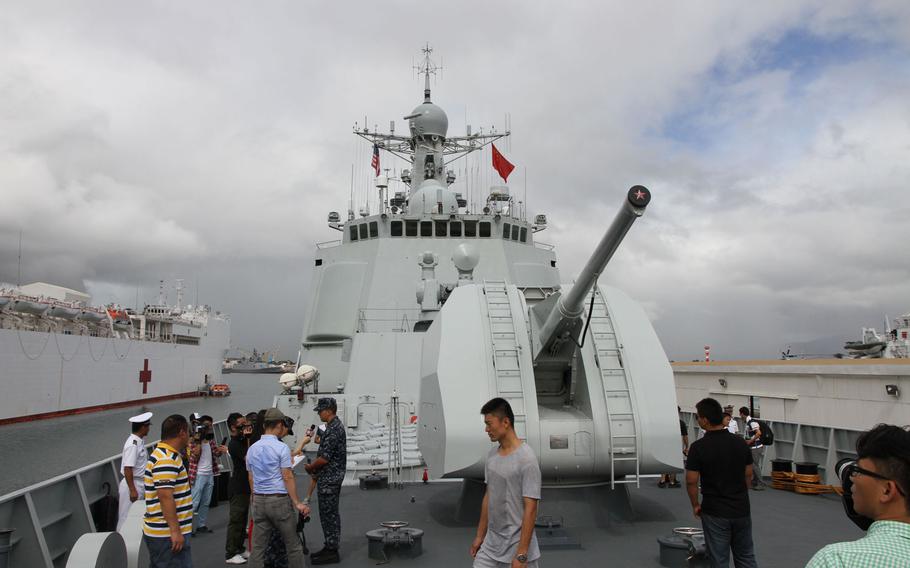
pixel 767 435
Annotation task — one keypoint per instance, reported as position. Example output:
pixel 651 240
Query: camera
pixel 289 423
pixel 844 470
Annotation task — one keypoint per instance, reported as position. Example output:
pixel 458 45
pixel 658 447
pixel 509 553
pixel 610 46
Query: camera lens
pixel 843 467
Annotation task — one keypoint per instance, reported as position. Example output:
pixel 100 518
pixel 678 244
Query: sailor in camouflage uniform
pixel 329 469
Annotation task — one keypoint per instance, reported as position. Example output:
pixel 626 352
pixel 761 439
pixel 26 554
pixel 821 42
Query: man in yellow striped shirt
pixel 168 499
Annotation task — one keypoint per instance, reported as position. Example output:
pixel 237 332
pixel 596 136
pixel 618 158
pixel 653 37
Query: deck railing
pixel 50 516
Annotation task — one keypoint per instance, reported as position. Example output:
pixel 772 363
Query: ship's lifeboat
pixel 860 349
pixel 63 312
pixel 91 315
pixel 4 300
pixel 29 306
pixel 220 389
pixel 120 318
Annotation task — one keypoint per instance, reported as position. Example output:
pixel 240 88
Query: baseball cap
pixel 326 403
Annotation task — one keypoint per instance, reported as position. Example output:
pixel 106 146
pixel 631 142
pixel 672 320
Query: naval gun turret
pixel 585 374
pixel 557 321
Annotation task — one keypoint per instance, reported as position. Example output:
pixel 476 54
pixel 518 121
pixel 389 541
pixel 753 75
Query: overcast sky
pixel 208 140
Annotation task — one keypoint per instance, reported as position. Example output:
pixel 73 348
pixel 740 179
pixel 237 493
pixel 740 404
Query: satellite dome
pixel 466 257
pixel 429 120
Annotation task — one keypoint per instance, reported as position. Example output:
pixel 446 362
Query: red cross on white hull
pixel 145 377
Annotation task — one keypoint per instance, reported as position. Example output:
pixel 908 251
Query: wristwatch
pixel 523 558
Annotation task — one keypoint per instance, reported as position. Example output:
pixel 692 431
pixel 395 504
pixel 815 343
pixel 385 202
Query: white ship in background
pixel 893 343
pixel 60 355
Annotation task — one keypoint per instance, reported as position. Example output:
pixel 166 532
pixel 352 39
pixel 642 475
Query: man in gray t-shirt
pixel 505 534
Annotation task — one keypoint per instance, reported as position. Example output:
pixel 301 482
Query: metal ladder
pixel 395 457
pixel 623 421
pixel 506 350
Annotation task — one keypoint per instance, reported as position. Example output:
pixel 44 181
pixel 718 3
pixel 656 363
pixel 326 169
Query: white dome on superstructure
pixel 428 197
pixel 428 120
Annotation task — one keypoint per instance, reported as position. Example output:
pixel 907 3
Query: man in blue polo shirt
pixel 274 491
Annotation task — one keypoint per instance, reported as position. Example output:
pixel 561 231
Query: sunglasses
pixel 853 470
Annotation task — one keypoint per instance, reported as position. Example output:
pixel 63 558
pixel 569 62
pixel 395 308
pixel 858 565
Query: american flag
pixel 375 162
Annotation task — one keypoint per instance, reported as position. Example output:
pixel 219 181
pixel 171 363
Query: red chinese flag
pixel 501 165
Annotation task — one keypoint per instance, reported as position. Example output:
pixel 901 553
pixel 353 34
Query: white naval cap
pixel 141 418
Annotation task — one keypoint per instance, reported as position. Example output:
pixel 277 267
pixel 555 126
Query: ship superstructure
pixel 372 333
pixel 893 343
pixel 60 354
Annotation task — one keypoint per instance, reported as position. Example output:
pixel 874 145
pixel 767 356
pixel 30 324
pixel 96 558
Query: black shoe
pixel 325 556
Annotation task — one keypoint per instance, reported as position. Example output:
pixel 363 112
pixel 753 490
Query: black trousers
pixel 237 522
pixel 329 518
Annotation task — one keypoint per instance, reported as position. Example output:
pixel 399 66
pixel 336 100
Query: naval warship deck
pixel 788 528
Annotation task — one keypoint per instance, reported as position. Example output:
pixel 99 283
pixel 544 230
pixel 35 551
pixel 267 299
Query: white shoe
pixel 236 559
pixel 245 554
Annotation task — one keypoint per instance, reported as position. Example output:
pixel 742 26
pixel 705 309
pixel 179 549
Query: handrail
pixel 47 530
pixel 64 476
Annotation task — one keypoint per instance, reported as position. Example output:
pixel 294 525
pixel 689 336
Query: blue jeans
pixel 202 497
pixel 160 555
pixel 722 535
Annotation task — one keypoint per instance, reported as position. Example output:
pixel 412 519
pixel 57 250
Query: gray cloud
pixel 208 141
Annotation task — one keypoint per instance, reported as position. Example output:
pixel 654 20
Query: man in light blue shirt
pixel 274 492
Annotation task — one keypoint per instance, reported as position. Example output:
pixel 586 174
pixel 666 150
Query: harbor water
pixel 37 451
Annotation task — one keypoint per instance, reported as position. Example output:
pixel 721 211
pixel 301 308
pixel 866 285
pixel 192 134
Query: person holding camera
pixel 239 487
pixel 168 502
pixel 132 465
pixel 274 490
pixel 203 468
pixel 878 482
pixel 329 469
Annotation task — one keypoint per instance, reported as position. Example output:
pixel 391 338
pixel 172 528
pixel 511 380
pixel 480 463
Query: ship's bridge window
pixel 514 232
pixel 505 230
pixel 441 228
pixel 396 228
pixel 455 229
pixel 426 228
pixel 484 229
pixel 363 230
pixel 410 228
pixel 470 228
pixel 353 230
pixel 523 235
pixel 374 229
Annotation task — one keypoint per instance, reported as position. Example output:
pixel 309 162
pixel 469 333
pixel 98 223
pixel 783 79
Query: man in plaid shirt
pixel 202 470
pixel 881 492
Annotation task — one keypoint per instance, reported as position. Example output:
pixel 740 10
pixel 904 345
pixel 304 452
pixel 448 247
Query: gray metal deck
pixel 788 527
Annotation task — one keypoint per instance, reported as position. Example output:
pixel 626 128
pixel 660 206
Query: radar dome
pixel 466 257
pixel 430 195
pixel 429 120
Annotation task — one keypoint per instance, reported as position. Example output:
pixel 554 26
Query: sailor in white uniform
pixel 135 455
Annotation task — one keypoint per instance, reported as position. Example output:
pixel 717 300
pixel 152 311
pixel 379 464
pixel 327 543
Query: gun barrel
pixel 570 305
